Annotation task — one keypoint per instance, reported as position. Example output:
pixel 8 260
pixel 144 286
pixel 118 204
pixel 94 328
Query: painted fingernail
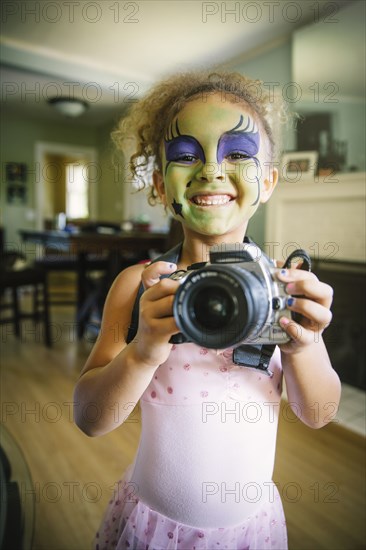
pixel 284 321
pixel 283 271
pixel 172 266
pixel 290 301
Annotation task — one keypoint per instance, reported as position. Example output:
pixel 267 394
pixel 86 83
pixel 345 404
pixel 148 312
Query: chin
pixel 214 232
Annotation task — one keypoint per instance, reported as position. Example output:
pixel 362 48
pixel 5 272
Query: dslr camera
pixel 233 299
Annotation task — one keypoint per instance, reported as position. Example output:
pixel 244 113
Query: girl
pixel 202 474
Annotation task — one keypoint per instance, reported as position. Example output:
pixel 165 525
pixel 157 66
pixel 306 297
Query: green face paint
pixel 212 166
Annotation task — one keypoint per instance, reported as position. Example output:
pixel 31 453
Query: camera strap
pixel 254 356
pixel 171 256
pixel 299 254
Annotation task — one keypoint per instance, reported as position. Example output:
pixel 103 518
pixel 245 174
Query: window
pixel 77 204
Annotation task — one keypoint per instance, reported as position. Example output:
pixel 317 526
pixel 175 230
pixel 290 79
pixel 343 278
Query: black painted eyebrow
pixel 243 130
pixel 238 125
pixel 169 136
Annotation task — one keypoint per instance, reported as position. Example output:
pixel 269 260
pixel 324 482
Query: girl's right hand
pixel 156 321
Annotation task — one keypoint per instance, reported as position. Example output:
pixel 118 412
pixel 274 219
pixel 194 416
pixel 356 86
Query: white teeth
pixel 212 200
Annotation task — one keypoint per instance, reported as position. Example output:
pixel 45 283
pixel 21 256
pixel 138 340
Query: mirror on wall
pixel 328 68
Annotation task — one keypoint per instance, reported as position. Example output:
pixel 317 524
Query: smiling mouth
pixel 212 200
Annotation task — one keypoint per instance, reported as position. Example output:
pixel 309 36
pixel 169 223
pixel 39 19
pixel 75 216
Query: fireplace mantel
pixel 325 215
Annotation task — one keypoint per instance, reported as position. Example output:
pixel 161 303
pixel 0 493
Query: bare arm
pixel 313 387
pixel 116 374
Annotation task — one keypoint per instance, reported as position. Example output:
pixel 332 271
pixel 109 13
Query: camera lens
pixel 213 307
pixel 219 306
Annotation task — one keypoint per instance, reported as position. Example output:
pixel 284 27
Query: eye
pixel 185 158
pixel 237 155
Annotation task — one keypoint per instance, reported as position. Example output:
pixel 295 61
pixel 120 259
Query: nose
pixel 211 171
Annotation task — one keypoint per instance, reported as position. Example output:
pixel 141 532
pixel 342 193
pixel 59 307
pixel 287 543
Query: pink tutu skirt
pixel 129 523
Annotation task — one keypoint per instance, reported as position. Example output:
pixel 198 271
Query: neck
pixel 196 247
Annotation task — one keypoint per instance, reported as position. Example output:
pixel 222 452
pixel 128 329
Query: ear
pixel 268 184
pixel 159 185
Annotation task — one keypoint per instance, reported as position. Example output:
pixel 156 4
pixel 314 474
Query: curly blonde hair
pixel 149 118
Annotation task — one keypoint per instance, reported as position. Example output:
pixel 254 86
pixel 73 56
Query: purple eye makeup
pixel 184 149
pixel 239 144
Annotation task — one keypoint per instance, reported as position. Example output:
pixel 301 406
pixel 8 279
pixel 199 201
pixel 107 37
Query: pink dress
pixel 202 475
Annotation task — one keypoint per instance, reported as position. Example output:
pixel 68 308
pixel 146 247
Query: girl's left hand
pixel 312 300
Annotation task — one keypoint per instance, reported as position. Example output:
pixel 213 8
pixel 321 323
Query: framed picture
pixel 16 193
pixel 16 171
pixel 16 182
pixel 298 165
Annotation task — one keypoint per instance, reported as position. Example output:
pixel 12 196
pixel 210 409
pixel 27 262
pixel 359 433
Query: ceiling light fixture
pixel 69 106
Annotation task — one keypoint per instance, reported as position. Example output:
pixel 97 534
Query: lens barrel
pixel 220 306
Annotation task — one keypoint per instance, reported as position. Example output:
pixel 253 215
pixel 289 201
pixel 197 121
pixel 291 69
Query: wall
pixel 18 138
pixel 274 65
pixel 110 185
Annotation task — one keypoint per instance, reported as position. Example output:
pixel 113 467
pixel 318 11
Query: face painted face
pixel 212 166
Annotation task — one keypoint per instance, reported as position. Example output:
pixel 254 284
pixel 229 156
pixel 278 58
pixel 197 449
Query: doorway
pixel 67 182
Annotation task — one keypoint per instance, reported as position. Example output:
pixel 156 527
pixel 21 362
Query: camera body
pixel 233 299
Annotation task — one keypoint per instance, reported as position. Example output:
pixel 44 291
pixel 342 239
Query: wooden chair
pixel 13 279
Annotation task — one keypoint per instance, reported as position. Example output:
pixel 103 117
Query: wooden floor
pixel 320 474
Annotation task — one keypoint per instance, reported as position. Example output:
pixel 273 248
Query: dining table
pixel 113 248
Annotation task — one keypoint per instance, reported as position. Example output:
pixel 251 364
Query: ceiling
pixel 110 52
